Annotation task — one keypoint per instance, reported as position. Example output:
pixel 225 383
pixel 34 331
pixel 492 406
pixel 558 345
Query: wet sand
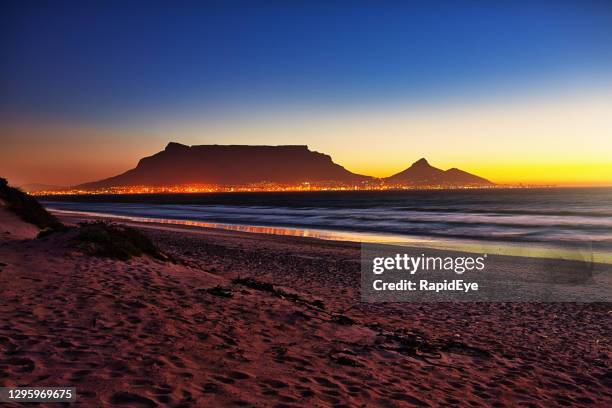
pixel 213 332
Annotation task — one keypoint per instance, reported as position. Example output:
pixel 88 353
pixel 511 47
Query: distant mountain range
pixel 422 173
pixel 179 164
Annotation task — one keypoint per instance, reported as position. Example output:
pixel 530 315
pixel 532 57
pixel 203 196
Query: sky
pixel 514 91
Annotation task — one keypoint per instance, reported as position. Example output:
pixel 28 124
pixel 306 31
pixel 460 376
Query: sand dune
pixel 12 227
pixel 211 332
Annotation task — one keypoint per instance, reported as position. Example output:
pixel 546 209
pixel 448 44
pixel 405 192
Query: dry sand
pixel 143 333
pixel 12 228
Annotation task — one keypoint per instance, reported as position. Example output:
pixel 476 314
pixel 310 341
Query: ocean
pixel 496 220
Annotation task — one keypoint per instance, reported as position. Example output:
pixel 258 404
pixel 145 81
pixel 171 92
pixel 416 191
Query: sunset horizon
pixel 518 96
pixel 513 161
pixel 519 175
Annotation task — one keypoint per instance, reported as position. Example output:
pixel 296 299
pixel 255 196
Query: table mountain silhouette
pixel 179 164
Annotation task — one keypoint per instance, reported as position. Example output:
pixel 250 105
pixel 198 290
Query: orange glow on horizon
pixel 552 140
pixel 545 174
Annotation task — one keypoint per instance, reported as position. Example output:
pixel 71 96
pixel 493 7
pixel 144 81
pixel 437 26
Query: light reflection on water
pixel 581 253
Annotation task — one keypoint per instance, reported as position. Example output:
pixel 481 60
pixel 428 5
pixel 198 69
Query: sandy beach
pixel 305 204
pixel 261 320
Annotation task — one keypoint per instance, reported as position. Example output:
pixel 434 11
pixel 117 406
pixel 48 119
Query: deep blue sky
pixel 102 63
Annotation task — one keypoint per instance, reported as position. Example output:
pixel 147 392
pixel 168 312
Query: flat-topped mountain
pixel 179 164
pixel 239 165
pixel 421 173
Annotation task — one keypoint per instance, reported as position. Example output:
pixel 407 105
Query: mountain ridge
pixel 422 173
pixel 180 164
pixel 231 164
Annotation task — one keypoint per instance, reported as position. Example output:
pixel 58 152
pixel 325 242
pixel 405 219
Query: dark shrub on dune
pixel 28 208
pixel 96 238
pixel 115 241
